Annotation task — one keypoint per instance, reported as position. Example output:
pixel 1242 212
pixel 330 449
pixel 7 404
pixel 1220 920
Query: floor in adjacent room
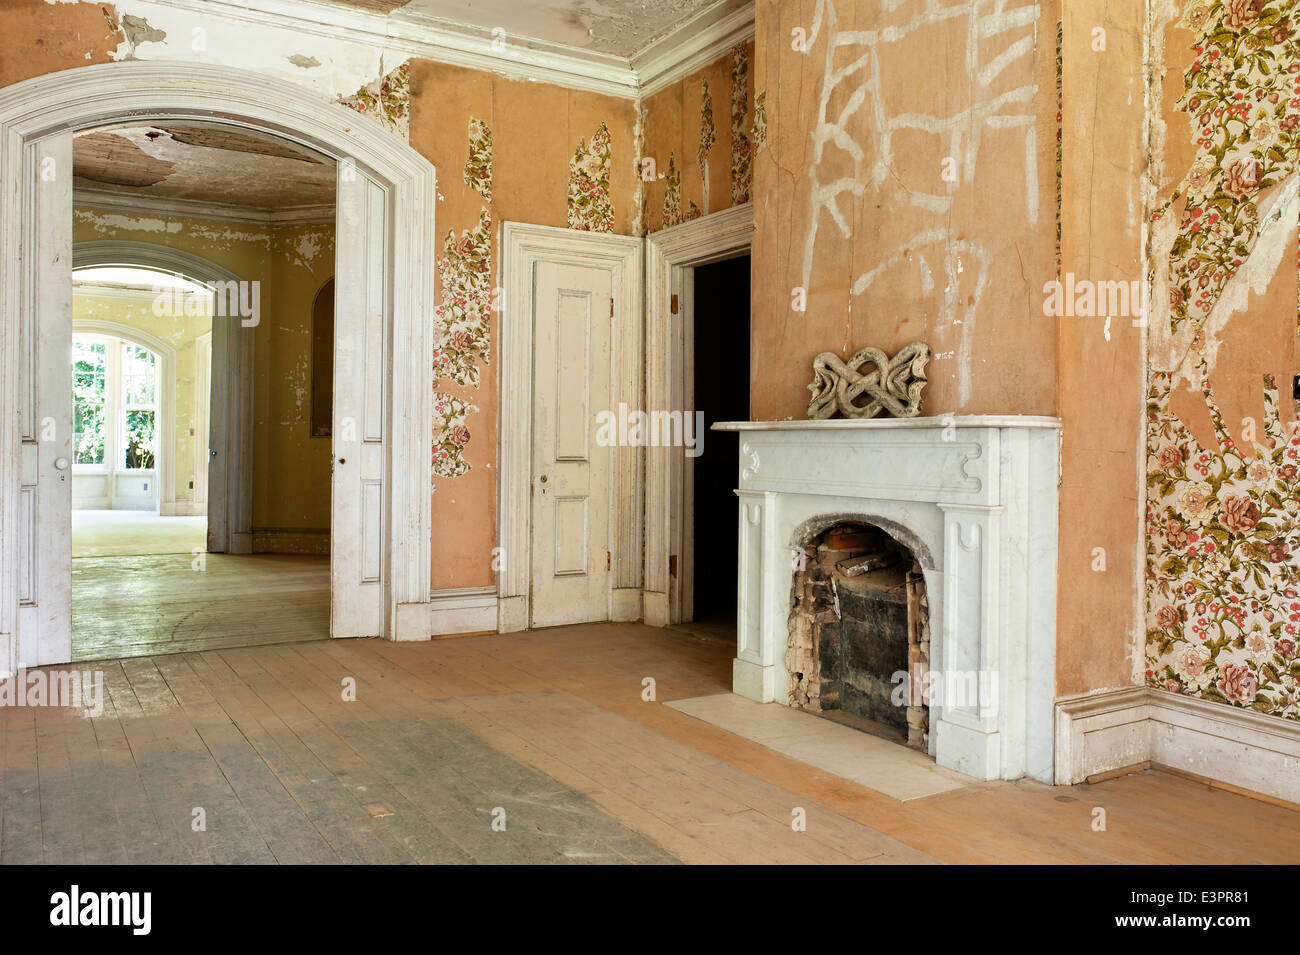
pixel 135 534
pixel 166 603
pixel 545 734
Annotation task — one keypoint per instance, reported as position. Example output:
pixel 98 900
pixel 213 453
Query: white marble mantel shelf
pixel 943 421
pixel 974 498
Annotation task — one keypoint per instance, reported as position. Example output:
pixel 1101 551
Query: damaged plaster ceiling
pixel 197 162
pixel 617 27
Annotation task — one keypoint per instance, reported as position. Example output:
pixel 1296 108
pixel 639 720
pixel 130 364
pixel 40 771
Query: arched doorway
pixel 380 525
pixel 227 474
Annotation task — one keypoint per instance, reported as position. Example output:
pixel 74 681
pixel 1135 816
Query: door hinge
pixel 672 566
pixel 611 308
pixel 674 305
pixel 609 560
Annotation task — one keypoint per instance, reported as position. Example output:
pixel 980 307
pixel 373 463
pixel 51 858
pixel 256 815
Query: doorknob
pixel 61 463
pixel 212 453
pixel 543 478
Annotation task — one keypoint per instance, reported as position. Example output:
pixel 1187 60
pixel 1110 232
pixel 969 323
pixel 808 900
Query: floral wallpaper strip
pixel 387 100
pixel 1241 93
pixel 450 435
pixel 742 152
pixel 672 193
pixel 478 168
pixel 708 132
pixel 758 135
pixel 1222 600
pixel 462 324
pixel 590 206
pixel 708 136
pixel 1223 583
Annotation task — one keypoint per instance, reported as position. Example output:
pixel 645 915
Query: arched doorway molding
pixel 380 523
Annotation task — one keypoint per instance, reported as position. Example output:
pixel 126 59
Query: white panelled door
pixel 572 343
pixel 361 307
pixel 46 455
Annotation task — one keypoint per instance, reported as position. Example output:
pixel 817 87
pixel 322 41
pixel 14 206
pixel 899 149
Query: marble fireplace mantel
pixel 974 498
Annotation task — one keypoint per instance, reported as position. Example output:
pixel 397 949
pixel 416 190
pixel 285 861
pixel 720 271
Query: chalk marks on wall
pixel 999 44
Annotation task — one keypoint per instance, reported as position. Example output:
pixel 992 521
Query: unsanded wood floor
pixel 136 606
pixel 545 733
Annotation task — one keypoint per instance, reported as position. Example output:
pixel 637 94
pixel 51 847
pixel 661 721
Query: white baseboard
pixel 182 509
pixel 463 610
pixel 1113 729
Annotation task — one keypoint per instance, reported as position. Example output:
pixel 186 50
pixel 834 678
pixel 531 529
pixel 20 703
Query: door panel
pixel 570 473
pixel 45 493
pixel 361 312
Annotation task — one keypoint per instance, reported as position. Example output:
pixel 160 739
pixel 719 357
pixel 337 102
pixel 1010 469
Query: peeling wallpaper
pixel 1223 510
pixel 386 100
pixel 590 208
pixel 702 165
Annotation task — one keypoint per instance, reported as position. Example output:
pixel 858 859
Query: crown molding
pixel 103 201
pixel 695 43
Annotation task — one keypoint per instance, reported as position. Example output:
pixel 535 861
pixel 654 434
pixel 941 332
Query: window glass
pixel 89 381
pixel 138 405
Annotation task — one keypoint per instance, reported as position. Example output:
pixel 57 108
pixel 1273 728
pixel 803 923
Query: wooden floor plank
pixel 252 726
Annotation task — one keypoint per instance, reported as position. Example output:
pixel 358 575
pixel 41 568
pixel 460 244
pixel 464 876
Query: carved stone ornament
pixel 850 390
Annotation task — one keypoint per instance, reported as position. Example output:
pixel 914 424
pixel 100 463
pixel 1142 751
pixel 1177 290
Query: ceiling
pixel 201 162
pixel 617 27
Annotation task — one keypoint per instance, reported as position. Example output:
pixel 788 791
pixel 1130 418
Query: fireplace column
pixel 754 671
pixel 969 657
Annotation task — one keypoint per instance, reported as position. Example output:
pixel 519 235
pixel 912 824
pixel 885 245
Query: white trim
pixel 694 45
pixel 147 255
pixel 690 45
pixel 52 107
pixel 1114 729
pixel 164 406
pixel 202 422
pixel 165 207
pixel 432 39
pixel 670 253
pixel 522 247
pixel 462 610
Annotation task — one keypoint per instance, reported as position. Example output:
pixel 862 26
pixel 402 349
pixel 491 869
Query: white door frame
pixel 230 525
pixel 522 247
pixel 37 119
pixel 202 423
pixel 670 257
pixel 165 397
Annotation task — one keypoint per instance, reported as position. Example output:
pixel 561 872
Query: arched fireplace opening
pixel 859 634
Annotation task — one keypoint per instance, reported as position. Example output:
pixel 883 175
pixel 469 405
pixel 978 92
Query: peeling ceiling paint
pixel 206 162
pixel 619 27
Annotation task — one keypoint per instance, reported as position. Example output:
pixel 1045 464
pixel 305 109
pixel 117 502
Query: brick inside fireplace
pixel 858 619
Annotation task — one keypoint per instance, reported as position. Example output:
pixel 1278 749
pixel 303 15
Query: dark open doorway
pixel 721 388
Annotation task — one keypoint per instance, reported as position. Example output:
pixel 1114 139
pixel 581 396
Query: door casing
pixel 522 247
pixel 671 256
pixel 38 118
